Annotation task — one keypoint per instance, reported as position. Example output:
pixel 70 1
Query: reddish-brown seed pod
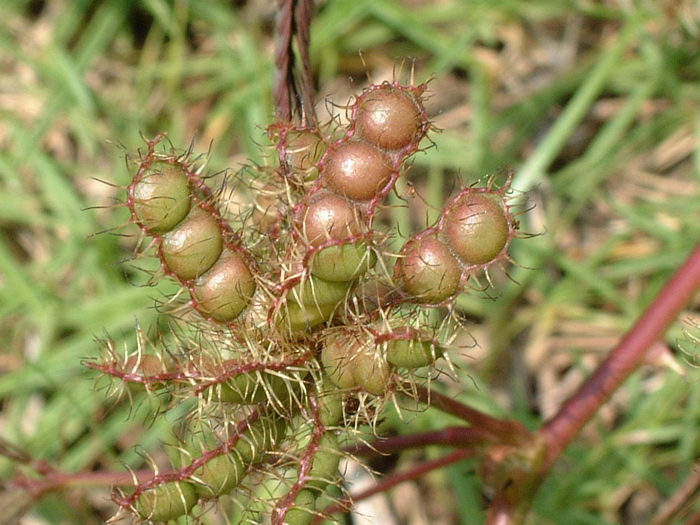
pixel 477 227
pixel 427 270
pixel 328 216
pixel 388 118
pixel 194 246
pixel 226 289
pixel 160 196
pixel 356 170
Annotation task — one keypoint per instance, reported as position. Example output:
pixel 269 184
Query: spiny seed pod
pixel 167 501
pixel 303 511
pixel 226 289
pixel 219 475
pixel 160 196
pixel 343 262
pixel 389 117
pixel 330 404
pixel 427 270
pixel 250 388
pixel 145 366
pixel 193 246
pixel 357 170
pixel 352 360
pixel 262 436
pixel 313 290
pixel 294 318
pixel 302 150
pixel 324 468
pixel 329 217
pixel 477 226
pixel 411 353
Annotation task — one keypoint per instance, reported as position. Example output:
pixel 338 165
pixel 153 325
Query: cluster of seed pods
pixel 278 299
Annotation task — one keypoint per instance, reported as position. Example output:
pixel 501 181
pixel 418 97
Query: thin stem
pixel 629 354
pixel 462 437
pixel 502 431
pixel 388 482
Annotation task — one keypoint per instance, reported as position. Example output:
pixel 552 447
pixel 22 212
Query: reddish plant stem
pixel 629 354
pixel 388 482
pixel 501 430
pixel 462 437
pixel 293 89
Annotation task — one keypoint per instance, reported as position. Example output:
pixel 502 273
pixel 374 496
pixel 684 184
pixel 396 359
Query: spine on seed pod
pixel 170 202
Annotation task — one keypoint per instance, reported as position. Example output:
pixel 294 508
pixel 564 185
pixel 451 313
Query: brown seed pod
pixel 224 291
pixel 477 226
pixel 193 246
pixel 160 196
pixel 389 117
pixel 427 270
pixel 327 216
pixel 357 170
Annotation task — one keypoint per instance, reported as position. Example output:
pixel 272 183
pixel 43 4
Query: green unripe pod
pixel 298 318
pixel 343 262
pixel 411 353
pixel 330 401
pixel 219 475
pixel 335 357
pixel 261 437
pixel 313 291
pixel 167 501
pixel 193 246
pixel 324 469
pixel 304 509
pixel 477 227
pixel 357 170
pixel 160 197
pixel 371 371
pixel 427 270
pixel 224 291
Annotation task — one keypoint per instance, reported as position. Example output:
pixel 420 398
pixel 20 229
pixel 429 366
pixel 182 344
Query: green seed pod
pixel 167 501
pixel 477 227
pixel 298 318
pixel 220 475
pixel 427 270
pixel 357 170
pixel 224 291
pixel 411 353
pixel 194 246
pixel 324 469
pixel 343 262
pixel 250 388
pixel 326 217
pixel 330 401
pixel 313 291
pixel 370 370
pixel 160 197
pixel 336 359
pixel 304 509
pixel 389 118
pixel 262 436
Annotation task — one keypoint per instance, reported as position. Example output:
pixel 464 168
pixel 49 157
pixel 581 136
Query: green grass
pixel 595 107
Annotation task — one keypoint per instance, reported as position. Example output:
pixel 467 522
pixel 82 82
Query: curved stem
pixel 629 354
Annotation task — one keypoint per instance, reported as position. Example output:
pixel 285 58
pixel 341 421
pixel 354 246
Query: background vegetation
pixel 595 104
